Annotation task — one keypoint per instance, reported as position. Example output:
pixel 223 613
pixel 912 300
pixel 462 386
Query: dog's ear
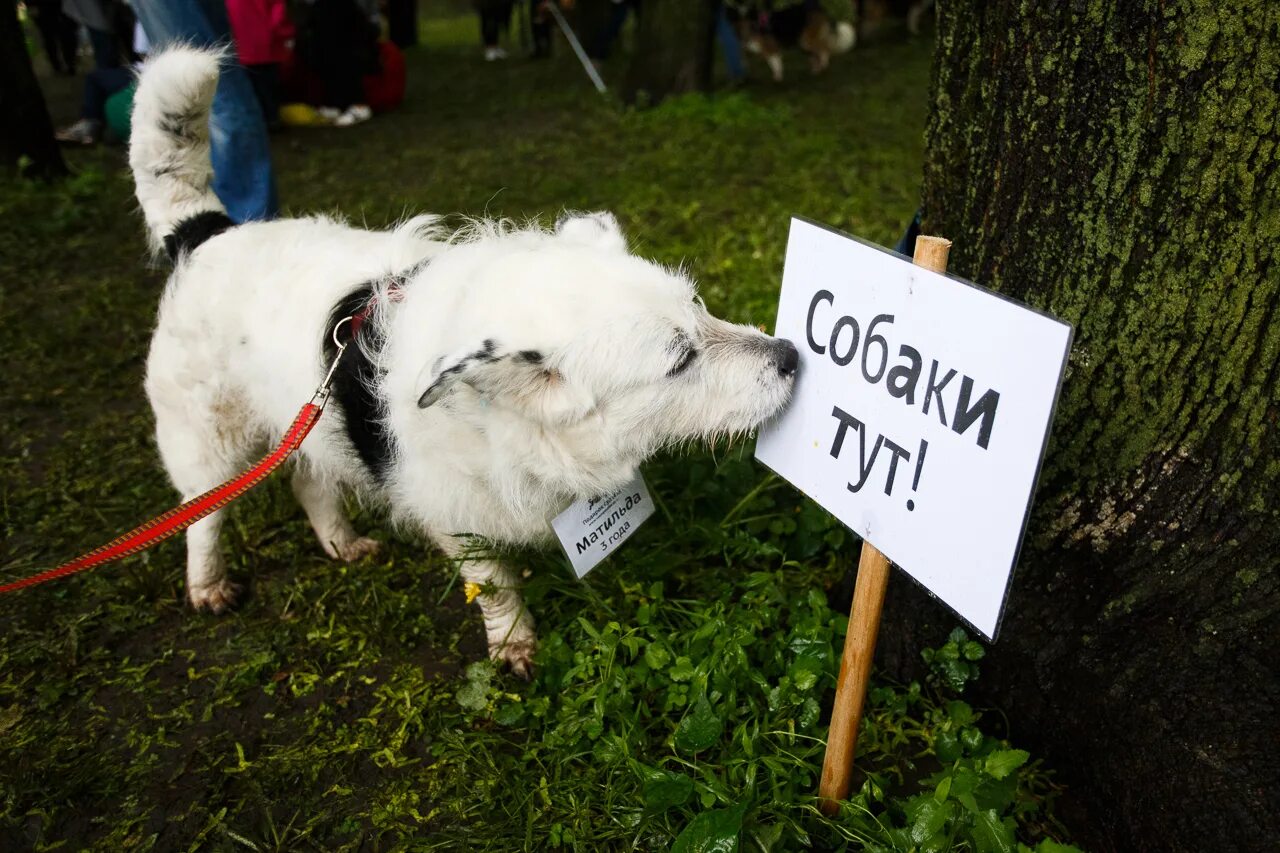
pixel 441 377
pixel 520 380
pixel 598 229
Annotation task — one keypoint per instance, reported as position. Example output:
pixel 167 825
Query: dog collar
pixel 361 302
pixel 356 321
pixel 356 377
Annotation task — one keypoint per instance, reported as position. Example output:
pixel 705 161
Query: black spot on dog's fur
pixel 181 124
pixel 191 232
pixel 529 356
pixel 487 354
pixel 353 384
pixel 429 393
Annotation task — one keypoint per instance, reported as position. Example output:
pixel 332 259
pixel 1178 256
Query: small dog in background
pixel 873 13
pixel 766 27
pixel 501 374
pixel 765 31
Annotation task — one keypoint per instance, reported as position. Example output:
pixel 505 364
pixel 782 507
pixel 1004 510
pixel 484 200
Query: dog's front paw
pixel 518 656
pixel 217 597
pixel 356 548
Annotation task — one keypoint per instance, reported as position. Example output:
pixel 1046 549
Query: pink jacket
pixel 261 29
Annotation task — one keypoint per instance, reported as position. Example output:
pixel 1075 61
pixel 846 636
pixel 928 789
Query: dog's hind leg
pixel 508 625
pixel 324 510
pixel 195 466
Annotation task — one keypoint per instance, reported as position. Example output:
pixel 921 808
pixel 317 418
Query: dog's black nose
pixel 787 357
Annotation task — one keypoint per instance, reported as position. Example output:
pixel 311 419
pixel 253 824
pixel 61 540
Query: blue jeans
pixel 729 45
pixel 242 176
pixel 106 54
pixel 100 84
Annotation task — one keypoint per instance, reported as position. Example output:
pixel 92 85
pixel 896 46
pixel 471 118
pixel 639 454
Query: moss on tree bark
pixel 1118 165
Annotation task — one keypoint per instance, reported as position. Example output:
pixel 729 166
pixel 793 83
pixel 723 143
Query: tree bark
pixel 673 50
pixel 26 132
pixel 1118 165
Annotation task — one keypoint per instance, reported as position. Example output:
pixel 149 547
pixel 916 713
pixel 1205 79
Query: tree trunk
pixel 26 132
pixel 1118 165
pixel 673 50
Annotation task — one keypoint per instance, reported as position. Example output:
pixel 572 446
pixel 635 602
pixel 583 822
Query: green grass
pixel 681 688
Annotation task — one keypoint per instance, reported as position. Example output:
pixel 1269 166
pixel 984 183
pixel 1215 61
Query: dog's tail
pixel 846 37
pixel 169 149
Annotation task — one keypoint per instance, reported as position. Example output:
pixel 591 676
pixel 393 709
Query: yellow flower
pixel 472 590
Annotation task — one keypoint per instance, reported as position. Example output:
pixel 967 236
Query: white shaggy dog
pixel 501 374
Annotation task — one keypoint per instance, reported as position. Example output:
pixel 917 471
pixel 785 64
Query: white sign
pixel 920 415
pixel 593 529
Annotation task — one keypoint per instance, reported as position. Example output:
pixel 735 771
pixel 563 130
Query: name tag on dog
pixel 591 530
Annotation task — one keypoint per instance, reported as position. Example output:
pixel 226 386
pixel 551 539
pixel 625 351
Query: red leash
pixel 181 517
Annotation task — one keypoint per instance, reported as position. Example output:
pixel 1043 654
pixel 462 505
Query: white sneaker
pixel 355 114
pixel 84 132
pixel 494 53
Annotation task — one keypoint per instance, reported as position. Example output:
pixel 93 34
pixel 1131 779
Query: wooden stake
pixel 864 625
pixel 932 252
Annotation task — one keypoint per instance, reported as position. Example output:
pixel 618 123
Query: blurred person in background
pixel 99 18
pixel 99 85
pixel 338 43
pixel 58 32
pixel 613 28
pixel 495 19
pixel 263 35
pixel 540 22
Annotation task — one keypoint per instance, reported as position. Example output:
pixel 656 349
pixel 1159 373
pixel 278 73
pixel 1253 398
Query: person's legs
pixel 402 22
pixel 266 86
pixel 46 20
pixel 342 82
pixel 242 175
pixel 489 27
pixel 540 28
pixel 100 84
pixel 495 18
pixel 504 15
pixel 617 18
pixel 729 46
pixel 69 39
pixel 336 54
pixel 105 52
